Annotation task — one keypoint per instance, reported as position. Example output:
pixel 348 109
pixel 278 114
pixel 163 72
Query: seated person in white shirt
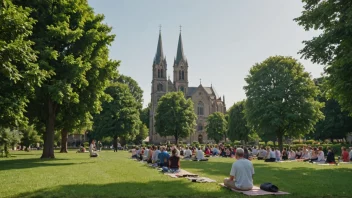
pixel 321 156
pixel 241 175
pixel 146 153
pixel 292 155
pixel 200 155
pixel 187 153
pixel 262 154
pixel 91 149
pixel 254 152
pixel 155 155
pixel 270 156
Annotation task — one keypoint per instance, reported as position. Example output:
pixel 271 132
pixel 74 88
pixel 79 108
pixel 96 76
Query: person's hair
pixel 344 148
pixel 174 152
pixel 284 149
pixel 320 148
pixel 239 152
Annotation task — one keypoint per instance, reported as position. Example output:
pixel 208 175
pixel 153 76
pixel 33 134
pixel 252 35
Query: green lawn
pixel 114 175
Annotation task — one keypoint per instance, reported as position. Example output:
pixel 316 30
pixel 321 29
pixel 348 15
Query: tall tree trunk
pixel 48 151
pixel 115 142
pixel 279 139
pixel 176 139
pixel 64 137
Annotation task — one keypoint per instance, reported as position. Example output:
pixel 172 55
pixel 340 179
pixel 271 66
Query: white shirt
pixel 200 155
pixel 187 153
pixel 255 151
pixel 91 147
pixel 262 153
pixel 321 156
pixel 243 172
pixel 155 155
pixel 350 154
pixel 272 154
pixel 146 153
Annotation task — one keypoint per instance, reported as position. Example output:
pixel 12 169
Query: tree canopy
pixel 175 116
pixel 281 99
pixel 216 126
pixel 333 46
pixel 73 48
pixel 238 128
pixel 135 90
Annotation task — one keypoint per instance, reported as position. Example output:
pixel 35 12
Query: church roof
pixel 191 90
pixel 180 54
pixel 211 91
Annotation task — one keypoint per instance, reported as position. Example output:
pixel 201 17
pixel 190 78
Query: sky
pixel 222 40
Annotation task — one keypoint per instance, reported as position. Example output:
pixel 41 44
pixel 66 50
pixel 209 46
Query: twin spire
pixel 159 56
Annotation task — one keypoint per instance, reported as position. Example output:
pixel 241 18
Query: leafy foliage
pixel 19 73
pixel 145 114
pixel 30 136
pixel 134 88
pixel 9 138
pixel 281 99
pixel 175 116
pixel 73 48
pixel 238 128
pixel 216 126
pixel 120 117
pixel 333 46
pixel 142 134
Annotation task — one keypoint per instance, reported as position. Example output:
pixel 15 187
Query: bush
pixel 86 144
pixel 237 143
pixel 309 142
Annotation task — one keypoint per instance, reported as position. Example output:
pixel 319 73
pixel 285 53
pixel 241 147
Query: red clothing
pixel 207 152
pixel 345 156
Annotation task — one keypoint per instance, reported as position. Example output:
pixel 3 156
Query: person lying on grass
pixel 174 163
pixel 91 149
pixel 241 175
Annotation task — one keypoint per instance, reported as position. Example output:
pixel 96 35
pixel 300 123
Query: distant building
pixel 205 99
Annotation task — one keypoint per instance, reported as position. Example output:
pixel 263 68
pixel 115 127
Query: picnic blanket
pixel 201 179
pixel 256 191
pixel 182 173
pixel 286 161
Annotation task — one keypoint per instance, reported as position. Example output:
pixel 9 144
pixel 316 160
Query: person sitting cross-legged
pixel 155 154
pixel 330 159
pixel 163 157
pixel 262 154
pixel 187 153
pixel 270 156
pixel 241 175
pixel 345 155
pixel 174 163
pixel 91 149
pixel 200 155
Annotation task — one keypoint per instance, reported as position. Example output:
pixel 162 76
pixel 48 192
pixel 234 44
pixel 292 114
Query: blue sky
pixel 222 40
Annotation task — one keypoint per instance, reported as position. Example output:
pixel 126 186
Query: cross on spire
pixel 200 81
pixel 180 28
pixel 160 28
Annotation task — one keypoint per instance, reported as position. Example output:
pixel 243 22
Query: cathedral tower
pixel 180 69
pixel 159 83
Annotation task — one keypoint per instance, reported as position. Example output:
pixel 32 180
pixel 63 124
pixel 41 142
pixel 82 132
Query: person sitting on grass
pixel 245 154
pixel 254 152
pixel 330 158
pixel 292 155
pixel 174 163
pixel 155 155
pixel 262 154
pixel 150 155
pixel 314 156
pixel 241 175
pixel 163 157
pixel 299 153
pixel 200 155
pixel 215 151
pixel 146 153
pixel 284 154
pixel 91 149
pixel 277 154
pixel 187 153
pixel 345 155
pixel 134 153
pixel 227 152
pixel 321 156
pixel 207 152
pixel 270 156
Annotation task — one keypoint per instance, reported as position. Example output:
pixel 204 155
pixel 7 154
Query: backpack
pixel 269 187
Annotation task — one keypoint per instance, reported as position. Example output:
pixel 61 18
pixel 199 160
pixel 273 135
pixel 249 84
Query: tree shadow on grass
pixel 311 181
pixel 10 164
pixel 175 188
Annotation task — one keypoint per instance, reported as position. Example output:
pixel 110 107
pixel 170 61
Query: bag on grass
pixel 269 187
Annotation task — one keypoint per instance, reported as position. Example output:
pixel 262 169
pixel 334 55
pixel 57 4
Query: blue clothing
pixel 164 158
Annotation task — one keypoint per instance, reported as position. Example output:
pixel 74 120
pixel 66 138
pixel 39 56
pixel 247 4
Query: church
pixel 206 100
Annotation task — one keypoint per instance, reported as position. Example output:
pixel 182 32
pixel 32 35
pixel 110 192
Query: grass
pixel 114 175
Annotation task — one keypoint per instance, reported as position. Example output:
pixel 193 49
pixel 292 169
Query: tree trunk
pixel 115 143
pixel 176 139
pixel 6 150
pixel 64 137
pixel 48 151
pixel 279 139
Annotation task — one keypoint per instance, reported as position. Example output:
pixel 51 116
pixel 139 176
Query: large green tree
pixel 238 128
pixel 142 134
pixel 19 73
pixel 216 126
pixel 145 115
pixel 333 46
pixel 281 99
pixel 134 88
pixel 9 138
pixel 175 116
pixel 337 124
pixel 120 116
pixel 73 47
pixel 30 136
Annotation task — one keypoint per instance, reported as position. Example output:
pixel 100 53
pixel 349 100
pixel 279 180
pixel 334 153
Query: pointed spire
pixel 159 56
pixel 180 55
pixel 223 98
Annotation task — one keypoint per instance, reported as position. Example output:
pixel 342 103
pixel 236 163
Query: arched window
pixel 181 89
pixel 200 127
pixel 200 110
pixel 161 73
pixel 158 73
pixel 179 75
pixel 160 87
pixel 183 75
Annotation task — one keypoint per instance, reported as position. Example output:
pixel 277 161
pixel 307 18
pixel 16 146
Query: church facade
pixel 205 99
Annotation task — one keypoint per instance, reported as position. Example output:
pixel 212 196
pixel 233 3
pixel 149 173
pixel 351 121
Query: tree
pixel 19 73
pixel 216 126
pixel 333 46
pixel 9 138
pixel 30 136
pixel 134 88
pixel 337 124
pixel 73 48
pixel 145 114
pixel 281 99
pixel 120 116
pixel 175 116
pixel 238 128
pixel 142 134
